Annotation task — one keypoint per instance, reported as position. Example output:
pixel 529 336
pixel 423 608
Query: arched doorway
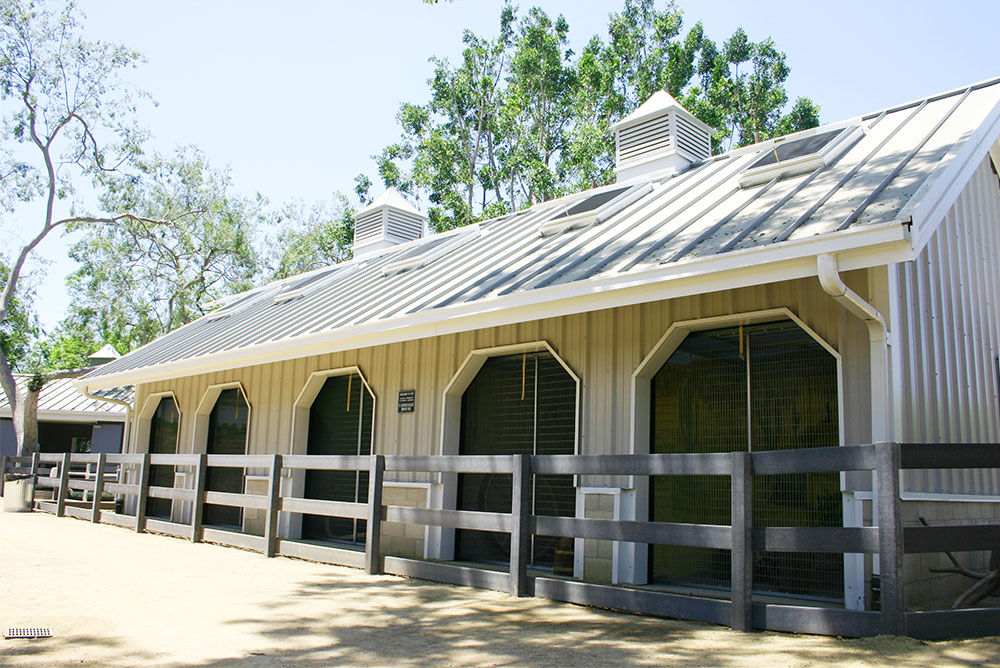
pixel 518 404
pixel 227 430
pixel 163 431
pixel 758 387
pixel 340 423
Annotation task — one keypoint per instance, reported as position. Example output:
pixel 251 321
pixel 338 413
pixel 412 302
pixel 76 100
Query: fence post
pixel 3 472
pixel 890 536
pixel 63 485
pixel 373 548
pixel 198 506
pixel 95 512
pixel 273 506
pixel 741 502
pixel 520 525
pixel 142 496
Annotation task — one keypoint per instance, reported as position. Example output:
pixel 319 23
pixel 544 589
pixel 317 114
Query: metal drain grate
pixel 27 632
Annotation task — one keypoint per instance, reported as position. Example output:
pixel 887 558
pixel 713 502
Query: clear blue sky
pixel 296 96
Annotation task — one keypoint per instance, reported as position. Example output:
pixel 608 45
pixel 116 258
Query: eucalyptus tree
pixel 312 236
pixel 523 118
pixel 138 280
pixel 68 116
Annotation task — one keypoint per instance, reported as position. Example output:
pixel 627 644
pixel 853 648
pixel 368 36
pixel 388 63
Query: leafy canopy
pixel 522 118
pixel 140 279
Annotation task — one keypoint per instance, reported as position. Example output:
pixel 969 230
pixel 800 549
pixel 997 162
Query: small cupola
pixel 106 354
pixel 659 136
pixel 388 221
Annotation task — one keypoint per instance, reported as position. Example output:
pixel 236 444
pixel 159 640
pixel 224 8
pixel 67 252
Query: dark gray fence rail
pixel 106 473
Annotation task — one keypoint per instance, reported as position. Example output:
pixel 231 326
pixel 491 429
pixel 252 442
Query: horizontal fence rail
pixel 127 478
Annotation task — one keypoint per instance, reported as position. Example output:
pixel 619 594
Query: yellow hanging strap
pixel 349 379
pixel 524 367
pixel 741 341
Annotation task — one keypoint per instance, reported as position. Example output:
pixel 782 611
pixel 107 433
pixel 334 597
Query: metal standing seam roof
pixel 60 397
pixel 685 219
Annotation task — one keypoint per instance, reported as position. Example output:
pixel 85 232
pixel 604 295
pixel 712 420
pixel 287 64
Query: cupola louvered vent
pixel 368 227
pixel 659 136
pixel 386 222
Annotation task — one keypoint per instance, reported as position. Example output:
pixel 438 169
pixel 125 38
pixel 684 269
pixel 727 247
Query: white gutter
pixel 878 356
pixel 867 246
pixel 126 431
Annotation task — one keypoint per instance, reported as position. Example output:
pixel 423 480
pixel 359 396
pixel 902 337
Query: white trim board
pixel 860 248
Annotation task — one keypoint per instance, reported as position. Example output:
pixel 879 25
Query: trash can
pixel 18 495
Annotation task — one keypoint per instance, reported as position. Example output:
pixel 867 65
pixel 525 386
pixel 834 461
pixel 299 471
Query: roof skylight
pixel 798 154
pixel 595 208
pixel 430 250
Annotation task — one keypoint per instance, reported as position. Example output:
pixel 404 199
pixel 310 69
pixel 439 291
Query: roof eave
pixel 856 248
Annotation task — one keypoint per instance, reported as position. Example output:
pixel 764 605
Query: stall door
pixel 227 435
pixel 162 441
pixel 756 388
pixel 340 423
pixel 518 404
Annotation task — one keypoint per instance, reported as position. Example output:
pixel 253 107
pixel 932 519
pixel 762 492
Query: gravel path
pixel 115 598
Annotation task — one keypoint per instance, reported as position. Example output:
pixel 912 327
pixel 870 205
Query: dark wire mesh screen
pixel 518 404
pixel 227 435
pixel 761 387
pixel 162 441
pixel 340 423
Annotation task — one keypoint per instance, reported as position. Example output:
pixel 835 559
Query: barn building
pixel 833 287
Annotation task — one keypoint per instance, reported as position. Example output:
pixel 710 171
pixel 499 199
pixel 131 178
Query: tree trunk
pixel 26 422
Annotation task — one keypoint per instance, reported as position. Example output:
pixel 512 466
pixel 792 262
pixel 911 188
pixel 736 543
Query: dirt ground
pixel 116 598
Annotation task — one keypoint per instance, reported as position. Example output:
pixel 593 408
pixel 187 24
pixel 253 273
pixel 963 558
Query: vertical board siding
pixel 603 348
pixel 950 338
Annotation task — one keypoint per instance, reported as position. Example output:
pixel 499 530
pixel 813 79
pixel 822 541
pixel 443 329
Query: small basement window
pixel 797 154
pixel 595 208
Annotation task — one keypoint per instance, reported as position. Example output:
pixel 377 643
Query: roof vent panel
pixel 593 209
pixel 799 153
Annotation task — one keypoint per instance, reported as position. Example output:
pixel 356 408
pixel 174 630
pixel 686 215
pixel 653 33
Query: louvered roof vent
pixel 659 136
pixel 387 221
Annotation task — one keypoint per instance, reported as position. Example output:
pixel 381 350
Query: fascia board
pixel 71 416
pixel 929 205
pixel 869 246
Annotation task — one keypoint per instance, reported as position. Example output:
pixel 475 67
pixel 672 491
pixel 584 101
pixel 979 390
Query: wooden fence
pixel 889 539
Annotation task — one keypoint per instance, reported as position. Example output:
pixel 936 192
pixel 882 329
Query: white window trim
pixel 205 406
pixel 642 387
pixel 440 543
pixel 290 524
pixel 144 418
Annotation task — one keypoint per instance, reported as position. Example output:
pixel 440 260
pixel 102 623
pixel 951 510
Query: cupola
pixel 388 221
pixel 659 136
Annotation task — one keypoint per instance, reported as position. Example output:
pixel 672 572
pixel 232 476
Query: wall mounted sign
pixel 407 398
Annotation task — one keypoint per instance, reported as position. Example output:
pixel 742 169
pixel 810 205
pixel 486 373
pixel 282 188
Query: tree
pixel 523 119
pixel 20 327
pixel 313 236
pixel 139 280
pixel 67 115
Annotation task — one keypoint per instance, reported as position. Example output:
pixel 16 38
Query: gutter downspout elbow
pixel 833 285
pixel 127 432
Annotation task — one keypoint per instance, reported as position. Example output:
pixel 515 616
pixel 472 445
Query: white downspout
pixel 878 347
pixel 127 432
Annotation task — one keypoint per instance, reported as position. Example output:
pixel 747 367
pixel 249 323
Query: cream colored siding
pixel 602 347
pixel 949 339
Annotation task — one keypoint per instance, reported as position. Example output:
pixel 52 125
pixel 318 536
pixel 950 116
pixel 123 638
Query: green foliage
pixel 313 236
pixel 20 327
pixel 67 348
pixel 139 279
pixel 522 118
